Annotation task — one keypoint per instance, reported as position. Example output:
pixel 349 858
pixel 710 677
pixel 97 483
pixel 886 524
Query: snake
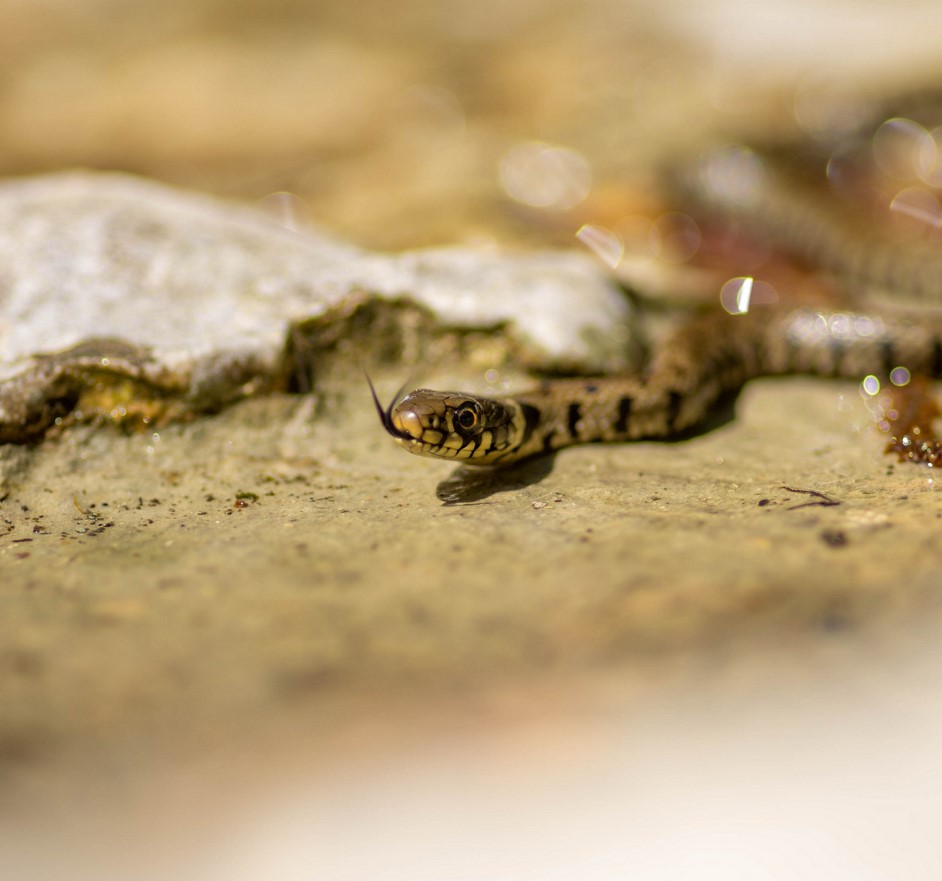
pixel 704 361
pixel 711 356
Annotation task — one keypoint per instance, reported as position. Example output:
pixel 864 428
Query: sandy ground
pixel 278 592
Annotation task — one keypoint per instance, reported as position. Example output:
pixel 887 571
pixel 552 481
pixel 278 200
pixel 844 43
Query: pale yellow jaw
pixel 408 422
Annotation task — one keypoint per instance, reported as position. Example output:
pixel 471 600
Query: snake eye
pixel 466 417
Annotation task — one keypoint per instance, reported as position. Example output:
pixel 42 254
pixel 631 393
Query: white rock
pixel 205 288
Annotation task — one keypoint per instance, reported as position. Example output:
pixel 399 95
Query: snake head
pixel 451 425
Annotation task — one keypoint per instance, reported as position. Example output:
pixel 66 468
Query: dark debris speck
pixel 835 622
pixel 834 538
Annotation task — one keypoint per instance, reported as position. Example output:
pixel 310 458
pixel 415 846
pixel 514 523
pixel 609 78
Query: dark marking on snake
pixel 572 419
pixel 674 403
pixel 531 419
pixel 888 351
pixel 624 414
pixel 838 351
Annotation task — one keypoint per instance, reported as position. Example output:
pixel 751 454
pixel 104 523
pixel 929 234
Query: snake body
pixel 701 363
pixel 714 354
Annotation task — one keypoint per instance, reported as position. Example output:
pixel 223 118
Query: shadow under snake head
pixel 454 425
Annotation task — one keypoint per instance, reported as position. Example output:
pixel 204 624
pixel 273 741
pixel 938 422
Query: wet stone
pixel 123 297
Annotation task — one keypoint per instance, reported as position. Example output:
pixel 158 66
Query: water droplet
pixel 738 295
pixel 545 175
pixel 897 146
pixel 918 204
pixel 604 243
pixel 287 210
pixel 899 376
pixel 870 385
pixel 733 174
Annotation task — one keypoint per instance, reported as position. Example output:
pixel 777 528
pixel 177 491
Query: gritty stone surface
pixel 280 573
pixel 194 299
pixel 272 558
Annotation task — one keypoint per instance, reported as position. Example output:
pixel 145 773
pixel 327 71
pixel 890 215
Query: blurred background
pixel 410 124
pixel 508 122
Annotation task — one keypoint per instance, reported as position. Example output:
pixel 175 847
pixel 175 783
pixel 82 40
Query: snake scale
pixel 714 354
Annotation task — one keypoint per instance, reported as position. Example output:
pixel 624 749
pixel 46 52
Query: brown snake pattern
pixel 700 364
pixel 716 353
